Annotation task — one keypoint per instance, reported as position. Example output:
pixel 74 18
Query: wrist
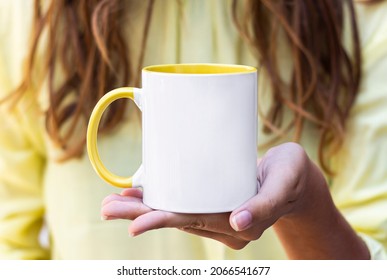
pixel 317 227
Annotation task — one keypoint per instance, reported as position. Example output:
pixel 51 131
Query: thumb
pixel 265 207
pixel 255 210
pixel 241 220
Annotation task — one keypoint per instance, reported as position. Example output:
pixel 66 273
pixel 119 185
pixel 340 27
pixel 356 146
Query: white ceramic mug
pixel 199 137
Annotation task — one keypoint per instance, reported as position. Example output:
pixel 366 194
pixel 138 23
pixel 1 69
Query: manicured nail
pixel 242 220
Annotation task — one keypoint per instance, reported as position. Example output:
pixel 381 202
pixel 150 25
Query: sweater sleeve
pixel 21 201
pixel 22 157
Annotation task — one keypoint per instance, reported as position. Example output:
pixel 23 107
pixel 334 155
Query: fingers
pixel 214 226
pixel 274 199
pixel 193 224
pixel 135 192
pixel 279 176
pixel 123 207
pixel 149 221
pixel 126 195
pixel 258 209
pixel 161 219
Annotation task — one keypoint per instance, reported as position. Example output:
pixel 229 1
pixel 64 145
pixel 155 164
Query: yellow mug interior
pixel 200 69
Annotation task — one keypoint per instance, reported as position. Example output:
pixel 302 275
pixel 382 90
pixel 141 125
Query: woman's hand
pixel 293 195
pixel 282 174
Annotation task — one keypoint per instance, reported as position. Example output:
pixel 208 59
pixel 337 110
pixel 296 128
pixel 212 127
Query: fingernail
pixel 242 220
pixel 108 218
pixel 134 234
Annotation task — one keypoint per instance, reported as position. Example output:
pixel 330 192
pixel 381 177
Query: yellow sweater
pixel 64 198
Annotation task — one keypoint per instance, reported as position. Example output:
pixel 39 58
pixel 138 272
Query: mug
pixel 199 124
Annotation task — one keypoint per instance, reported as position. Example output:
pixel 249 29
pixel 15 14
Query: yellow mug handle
pixel 92 132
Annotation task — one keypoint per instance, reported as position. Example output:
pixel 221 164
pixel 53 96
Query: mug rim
pixel 200 69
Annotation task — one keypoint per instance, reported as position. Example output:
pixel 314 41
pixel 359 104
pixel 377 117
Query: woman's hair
pixel 324 77
pixel 85 42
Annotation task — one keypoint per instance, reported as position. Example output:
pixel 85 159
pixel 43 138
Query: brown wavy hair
pixel 325 76
pixel 92 53
pixel 85 42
